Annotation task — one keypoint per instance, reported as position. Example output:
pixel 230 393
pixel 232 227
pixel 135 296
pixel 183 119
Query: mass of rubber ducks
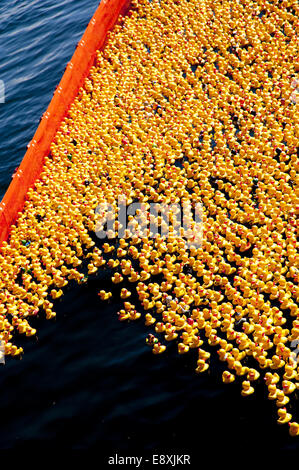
pixel 188 102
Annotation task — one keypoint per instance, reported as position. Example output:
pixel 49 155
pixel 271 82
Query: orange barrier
pixel 77 70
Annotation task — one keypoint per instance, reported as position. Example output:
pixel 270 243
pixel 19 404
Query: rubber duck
pixel 123 315
pixel 134 277
pixel 247 389
pixel 155 270
pixel 144 275
pixel 108 248
pixel 227 377
pixel 98 261
pixel 290 371
pixel 284 417
pixel 125 293
pixel 50 314
pixel 170 332
pixel 104 295
pixel 252 375
pixel 91 268
pixel 134 315
pixel 123 243
pixel 202 354
pixel 117 278
pixel 240 370
pixel 147 304
pixel 149 319
pixel 180 322
pixel 202 366
pixel 183 348
pixel 151 340
pixel 55 294
pixel 276 362
pixel 223 354
pixel 186 337
pixel 195 342
pixel 293 429
pixel 288 387
pixel 264 363
pixel 126 267
pixel 160 327
pixel 271 378
pixel 281 400
pixel 113 263
pixel 30 331
pixel 128 306
pixel 158 348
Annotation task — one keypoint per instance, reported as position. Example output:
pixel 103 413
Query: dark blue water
pixel 89 382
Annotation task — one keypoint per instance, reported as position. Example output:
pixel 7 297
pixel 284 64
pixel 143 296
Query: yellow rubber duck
pixel 264 362
pixel 134 277
pixel 99 261
pixel 128 306
pixel 195 342
pixel 281 400
pixel 277 362
pixel 202 354
pixel 144 275
pixel 117 278
pixel 158 348
pixel 91 268
pixel 290 371
pixel 252 375
pixel 183 348
pixel 134 315
pixel 160 327
pixel 120 252
pixel 240 370
pixel 227 377
pixel 15 351
pixel 271 378
pixel 50 314
pixel 288 387
pixel 108 248
pixel 180 322
pixel 55 294
pixel 155 270
pixel 147 304
pixel 113 263
pixel 170 332
pixel 293 429
pixel 247 389
pixel 202 366
pixel 123 315
pixel 223 354
pixel 284 417
pixel 125 293
pixel 30 331
pixel 149 319
pixel 104 295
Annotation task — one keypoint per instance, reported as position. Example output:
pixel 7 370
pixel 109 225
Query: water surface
pixel 89 382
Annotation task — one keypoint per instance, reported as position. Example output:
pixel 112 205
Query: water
pixel 89 382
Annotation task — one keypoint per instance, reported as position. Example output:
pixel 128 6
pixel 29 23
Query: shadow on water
pixel 90 382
